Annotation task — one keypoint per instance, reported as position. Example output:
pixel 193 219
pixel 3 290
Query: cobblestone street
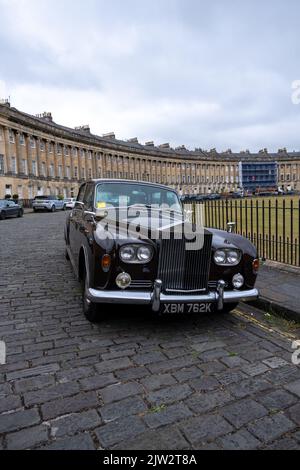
pixel 134 381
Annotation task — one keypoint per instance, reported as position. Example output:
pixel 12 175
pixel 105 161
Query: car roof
pixel 119 180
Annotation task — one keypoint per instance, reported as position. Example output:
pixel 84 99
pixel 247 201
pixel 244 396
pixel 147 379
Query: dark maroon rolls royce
pixel 129 242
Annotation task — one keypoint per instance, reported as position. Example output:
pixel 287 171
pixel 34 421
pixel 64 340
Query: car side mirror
pixel 95 216
pixel 79 205
pixel 230 226
pixel 100 214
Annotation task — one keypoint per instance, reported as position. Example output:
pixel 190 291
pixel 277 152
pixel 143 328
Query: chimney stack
pixel 109 135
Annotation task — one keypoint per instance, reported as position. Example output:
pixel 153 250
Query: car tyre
pixel 2 215
pixel 64 208
pixel 90 309
pixel 20 213
pixel 53 208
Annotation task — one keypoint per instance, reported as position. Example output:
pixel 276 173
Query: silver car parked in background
pixel 50 203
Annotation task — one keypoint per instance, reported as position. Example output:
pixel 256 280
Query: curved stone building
pixel 38 156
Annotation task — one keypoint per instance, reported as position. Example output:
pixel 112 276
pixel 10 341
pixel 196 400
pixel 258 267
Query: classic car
pixel 10 208
pixel 129 242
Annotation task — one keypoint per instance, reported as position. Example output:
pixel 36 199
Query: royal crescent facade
pixel 38 156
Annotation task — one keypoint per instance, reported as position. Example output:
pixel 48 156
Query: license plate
pixel 187 308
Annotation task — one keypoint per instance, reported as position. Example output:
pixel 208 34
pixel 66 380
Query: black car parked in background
pixel 9 208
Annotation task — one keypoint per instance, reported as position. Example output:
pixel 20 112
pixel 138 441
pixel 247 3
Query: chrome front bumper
pixel 156 297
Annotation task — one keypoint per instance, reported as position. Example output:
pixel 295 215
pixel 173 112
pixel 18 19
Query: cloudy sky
pixel 204 74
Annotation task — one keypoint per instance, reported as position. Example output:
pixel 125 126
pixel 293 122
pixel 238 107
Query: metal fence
pixel 273 225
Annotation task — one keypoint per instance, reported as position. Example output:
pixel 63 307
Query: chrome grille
pixel 184 270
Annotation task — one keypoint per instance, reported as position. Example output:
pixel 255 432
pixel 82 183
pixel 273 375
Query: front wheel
pixel 52 208
pixel 2 215
pixel 90 309
pixel 20 213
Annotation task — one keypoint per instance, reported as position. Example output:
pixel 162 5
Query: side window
pixel 81 193
pixel 89 197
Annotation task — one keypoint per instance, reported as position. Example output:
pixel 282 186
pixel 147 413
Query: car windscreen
pixel 128 194
pixel 3 203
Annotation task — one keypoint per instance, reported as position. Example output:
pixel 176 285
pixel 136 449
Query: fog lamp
pixel 237 281
pixel 123 280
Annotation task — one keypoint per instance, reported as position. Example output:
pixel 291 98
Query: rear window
pixel 45 197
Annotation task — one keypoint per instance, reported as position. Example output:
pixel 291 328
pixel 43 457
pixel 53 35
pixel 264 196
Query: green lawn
pixel 271 223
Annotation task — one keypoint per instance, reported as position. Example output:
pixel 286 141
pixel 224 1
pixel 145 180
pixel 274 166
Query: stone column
pixel 7 150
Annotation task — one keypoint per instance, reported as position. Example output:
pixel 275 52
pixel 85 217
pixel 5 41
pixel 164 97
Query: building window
pixel 58 148
pixel 8 189
pixel 75 152
pixel 50 147
pixel 22 139
pixel 68 172
pixel 1 164
pixel 24 166
pixel 67 151
pixel 75 172
pixel 59 171
pixel 11 136
pixel 32 142
pixel 43 169
pixel 51 170
pixel 82 153
pixel 90 155
pixel 83 172
pixel 90 173
pixel 33 167
pixel 42 146
pixel 13 165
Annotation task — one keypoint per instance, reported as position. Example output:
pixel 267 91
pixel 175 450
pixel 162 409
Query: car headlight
pixel 227 257
pixel 144 253
pixel 127 253
pixel 136 253
pixel 220 257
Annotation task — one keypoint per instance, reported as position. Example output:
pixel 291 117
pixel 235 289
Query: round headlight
pixel 220 256
pixel 144 253
pixel 237 281
pixel 232 257
pixel 127 253
pixel 123 280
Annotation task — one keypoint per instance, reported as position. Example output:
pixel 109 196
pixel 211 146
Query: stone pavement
pixel 279 287
pixel 134 381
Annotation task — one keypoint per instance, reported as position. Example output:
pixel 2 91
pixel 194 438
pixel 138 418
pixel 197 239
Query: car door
pixel 12 209
pixel 75 219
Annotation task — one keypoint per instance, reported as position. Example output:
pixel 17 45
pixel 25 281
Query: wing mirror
pixel 100 214
pixel 230 227
pixel 95 216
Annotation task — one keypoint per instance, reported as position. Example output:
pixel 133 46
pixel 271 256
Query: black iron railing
pixel 273 224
